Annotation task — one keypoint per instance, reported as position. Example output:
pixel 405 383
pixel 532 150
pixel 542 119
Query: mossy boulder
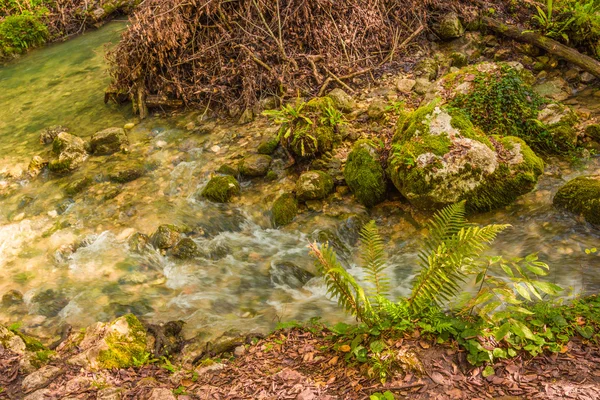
pixel 221 189
pixel 165 236
pixel 449 27
pixel 268 146
pixel 255 165
pixel 108 141
pixel 185 249
pixel 70 151
pixel 439 158
pixel 284 209
pixel 560 120
pixel 593 132
pixel 364 174
pixel 117 344
pixel 427 68
pixel 341 100
pixel 581 196
pixel 314 185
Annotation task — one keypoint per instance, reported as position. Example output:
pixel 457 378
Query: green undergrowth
pixel 512 308
pixel 22 26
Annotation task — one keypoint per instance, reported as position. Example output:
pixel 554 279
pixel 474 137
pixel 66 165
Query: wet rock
pixel 25 202
pixel 70 151
pixel 64 205
pixel 560 121
pixel 165 237
pixel 587 78
pixel 313 185
pixel 349 229
pixel 593 132
pixel 284 210
pixel 377 109
pixel 341 100
pixel 255 165
pixel 40 378
pixel 288 274
pixel 268 146
pixel 115 344
pixel 136 307
pixel 581 196
pixel 449 27
pixel 227 169
pixel 405 85
pixel 126 173
pixel 108 141
pixel 364 174
pixel 459 59
pixel 48 135
pixel 36 166
pixel 165 339
pixel 49 302
pixel 138 242
pixel 439 158
pixel 221 189
pixel 12 298
pixel 332 239
pixel 185 249
pixel 77 186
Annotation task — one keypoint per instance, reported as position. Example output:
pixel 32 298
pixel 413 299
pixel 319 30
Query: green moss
pixel 364 174
pixel 284 209
pixel 581 196
pixel 271 176
pixel 268 146
pixel 227 169
pixel 77 186
pixel 593 131
pixel 60 166
pixel 221 189
pixel 408 125
pixel 461 122
pixel 124 351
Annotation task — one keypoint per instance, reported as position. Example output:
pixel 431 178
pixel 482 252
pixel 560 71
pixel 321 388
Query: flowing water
pixel 70 258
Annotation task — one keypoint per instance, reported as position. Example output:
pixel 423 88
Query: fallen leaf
pixel 345 348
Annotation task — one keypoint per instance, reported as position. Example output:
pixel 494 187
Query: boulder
pixel 116 344
pixel 449 27
pixel 555 88
pixel 364 174
pixel 185 249
pixel 438 158
pixel 221 189
pixel 289 274
pixel 560 121
pixel 165 237
pixel 70 152
pixel 284 209
pixel 40 378
pixel 313 185
pixel 581 196
pixel 108 141
pixel 255 165
pixel 341 100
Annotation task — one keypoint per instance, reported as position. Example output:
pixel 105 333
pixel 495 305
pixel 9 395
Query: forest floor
pixel 303 365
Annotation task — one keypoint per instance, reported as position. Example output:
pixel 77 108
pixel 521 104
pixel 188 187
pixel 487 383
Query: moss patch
pixel 221 189
pixel 284 209
pixel 364 174
pixel 124 350
pixel 581 196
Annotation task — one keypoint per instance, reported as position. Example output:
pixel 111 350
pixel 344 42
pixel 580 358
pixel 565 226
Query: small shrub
pixel 22 31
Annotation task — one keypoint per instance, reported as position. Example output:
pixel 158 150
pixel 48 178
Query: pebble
pixel 215 149
pixel 239 351
pixel 53 214
pixel 19 217
pixel 161 143
pixel 128 126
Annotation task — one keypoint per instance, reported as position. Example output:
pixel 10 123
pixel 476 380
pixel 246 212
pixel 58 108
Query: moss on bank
pixel 365 175
pixel 124 350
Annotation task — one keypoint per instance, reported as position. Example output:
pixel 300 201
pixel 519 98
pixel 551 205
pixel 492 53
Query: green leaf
pixel 502 331
pixel 499 353
pixel 522 291
pixel 488 371
pixel 547 287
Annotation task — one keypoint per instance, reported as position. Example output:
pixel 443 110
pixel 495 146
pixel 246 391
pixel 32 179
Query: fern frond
pixel 451 245
pixel 374 261
pixel 341 285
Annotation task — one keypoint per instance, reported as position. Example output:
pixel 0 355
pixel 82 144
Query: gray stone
pixel 422 86
pixel 70 152
pixel 377 109
pixel 405 85
pixel 314 185
pixel 449 27
pixel 586 77
pixel 341 100
pixel 40 378
pixel 108 141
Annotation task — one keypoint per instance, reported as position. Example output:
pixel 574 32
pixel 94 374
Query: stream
pixel 70 258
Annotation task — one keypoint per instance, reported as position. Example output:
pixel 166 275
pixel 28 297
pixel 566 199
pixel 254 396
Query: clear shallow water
pixel 77 246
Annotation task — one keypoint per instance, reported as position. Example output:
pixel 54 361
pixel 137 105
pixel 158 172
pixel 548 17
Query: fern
pixel 374 262
pixel 451 245
pixel 340 284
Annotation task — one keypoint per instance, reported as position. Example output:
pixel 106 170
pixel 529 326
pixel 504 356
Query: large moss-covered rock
pixel 313 185
pixel 255 165
pixel 108 141
pixel 449 27
pixel 70 151
pixel 221 189
pixel 581 196
pixel 268 146
pixel 284 209
pixel 116 344
pixel 439 158
pixel 364 174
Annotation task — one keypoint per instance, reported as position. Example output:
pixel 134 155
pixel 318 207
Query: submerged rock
pixel 70 151
pixel 255 165
pixel 165 237
pixel 108 141
pixel 36 166
pixel 286 273
pixel 364 174
pixel 284 209
pixel 138 242
pixel 48 135
pixel 221 189
pixel 439 158
pixel 116 344
pixel 581 196
pixel 314 185
pixel 12 298
pixel 49 302
pixel 126 173
pixel 77 186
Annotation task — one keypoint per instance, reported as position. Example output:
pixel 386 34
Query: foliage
pixel 22 31
pixel 501 103
pixel 551 27
pixel 500 320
